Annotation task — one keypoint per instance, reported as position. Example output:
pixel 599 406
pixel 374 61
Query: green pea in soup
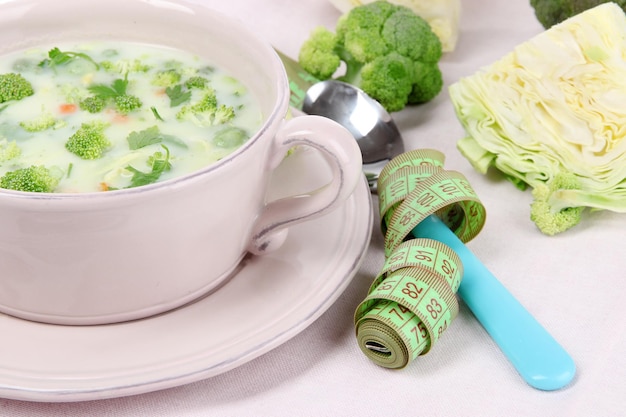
pixel 104 116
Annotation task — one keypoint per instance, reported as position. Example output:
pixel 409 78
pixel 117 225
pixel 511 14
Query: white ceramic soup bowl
pixel 106 257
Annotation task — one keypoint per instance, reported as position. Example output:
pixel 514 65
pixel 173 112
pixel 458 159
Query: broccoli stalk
pixel 14 87
pixel 37 179
pixel 547 211
pixel 389 52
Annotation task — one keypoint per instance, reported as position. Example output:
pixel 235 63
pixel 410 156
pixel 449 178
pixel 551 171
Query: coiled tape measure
pixel 413 299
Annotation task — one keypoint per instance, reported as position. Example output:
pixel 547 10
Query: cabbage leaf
pixel 555 104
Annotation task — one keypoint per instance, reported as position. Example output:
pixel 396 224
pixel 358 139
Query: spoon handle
pixel 534 353
pixel 299 80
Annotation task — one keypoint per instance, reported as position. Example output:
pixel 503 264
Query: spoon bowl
pixel 371 125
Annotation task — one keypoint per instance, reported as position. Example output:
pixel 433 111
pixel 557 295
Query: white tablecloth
pixel 572 283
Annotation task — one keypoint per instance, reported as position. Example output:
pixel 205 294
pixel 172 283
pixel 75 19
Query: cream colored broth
pixel 190 142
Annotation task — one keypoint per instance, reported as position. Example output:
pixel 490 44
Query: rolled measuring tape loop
pixel 413 299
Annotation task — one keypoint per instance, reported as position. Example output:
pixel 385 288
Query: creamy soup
pixel 105 116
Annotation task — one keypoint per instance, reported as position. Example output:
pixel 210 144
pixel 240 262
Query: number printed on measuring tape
pixel 425 253
pixel 428 198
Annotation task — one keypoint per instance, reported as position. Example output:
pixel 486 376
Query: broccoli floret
pixel 223 114
pixel 14 87
pixel 428 83
pixel 9 150
pixel 127 103
pixel 548 219
pixel 42 122
pixel 201 111
pixel 206 111
pixel 318 54
pixel 38 179
pixel 389 52
pixel 197 82
pixel 89 141
pixel 551 12
pixel 125 66
pixel 93 104
pixel 166 78
pixel 388 79
pixel 116 93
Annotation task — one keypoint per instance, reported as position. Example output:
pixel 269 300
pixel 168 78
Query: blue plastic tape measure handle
pixel 537 356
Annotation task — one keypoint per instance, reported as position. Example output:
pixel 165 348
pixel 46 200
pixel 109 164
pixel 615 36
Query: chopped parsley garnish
pixel 160 163
pixel 56 57
pixel 178 95
pixel 151 136
pixel 116 92
pixel 143 138
pixel 116 89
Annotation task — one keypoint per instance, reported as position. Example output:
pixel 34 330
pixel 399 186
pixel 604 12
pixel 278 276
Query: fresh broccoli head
pixel 551 12
pixel 37 179
pixel 89 141
pixel 548 217
pixel 389 52
pixel 318 54
pixel 206 111
pixel 9 150
pixel 14 87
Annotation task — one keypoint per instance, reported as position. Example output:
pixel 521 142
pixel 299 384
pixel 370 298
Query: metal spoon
pixel 371 125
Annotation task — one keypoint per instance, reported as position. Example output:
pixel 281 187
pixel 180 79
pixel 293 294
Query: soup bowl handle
pixel 338 147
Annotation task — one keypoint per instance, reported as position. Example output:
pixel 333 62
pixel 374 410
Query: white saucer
pixel 270 300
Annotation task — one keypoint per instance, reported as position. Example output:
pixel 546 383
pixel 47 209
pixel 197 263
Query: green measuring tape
pixel 413 299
